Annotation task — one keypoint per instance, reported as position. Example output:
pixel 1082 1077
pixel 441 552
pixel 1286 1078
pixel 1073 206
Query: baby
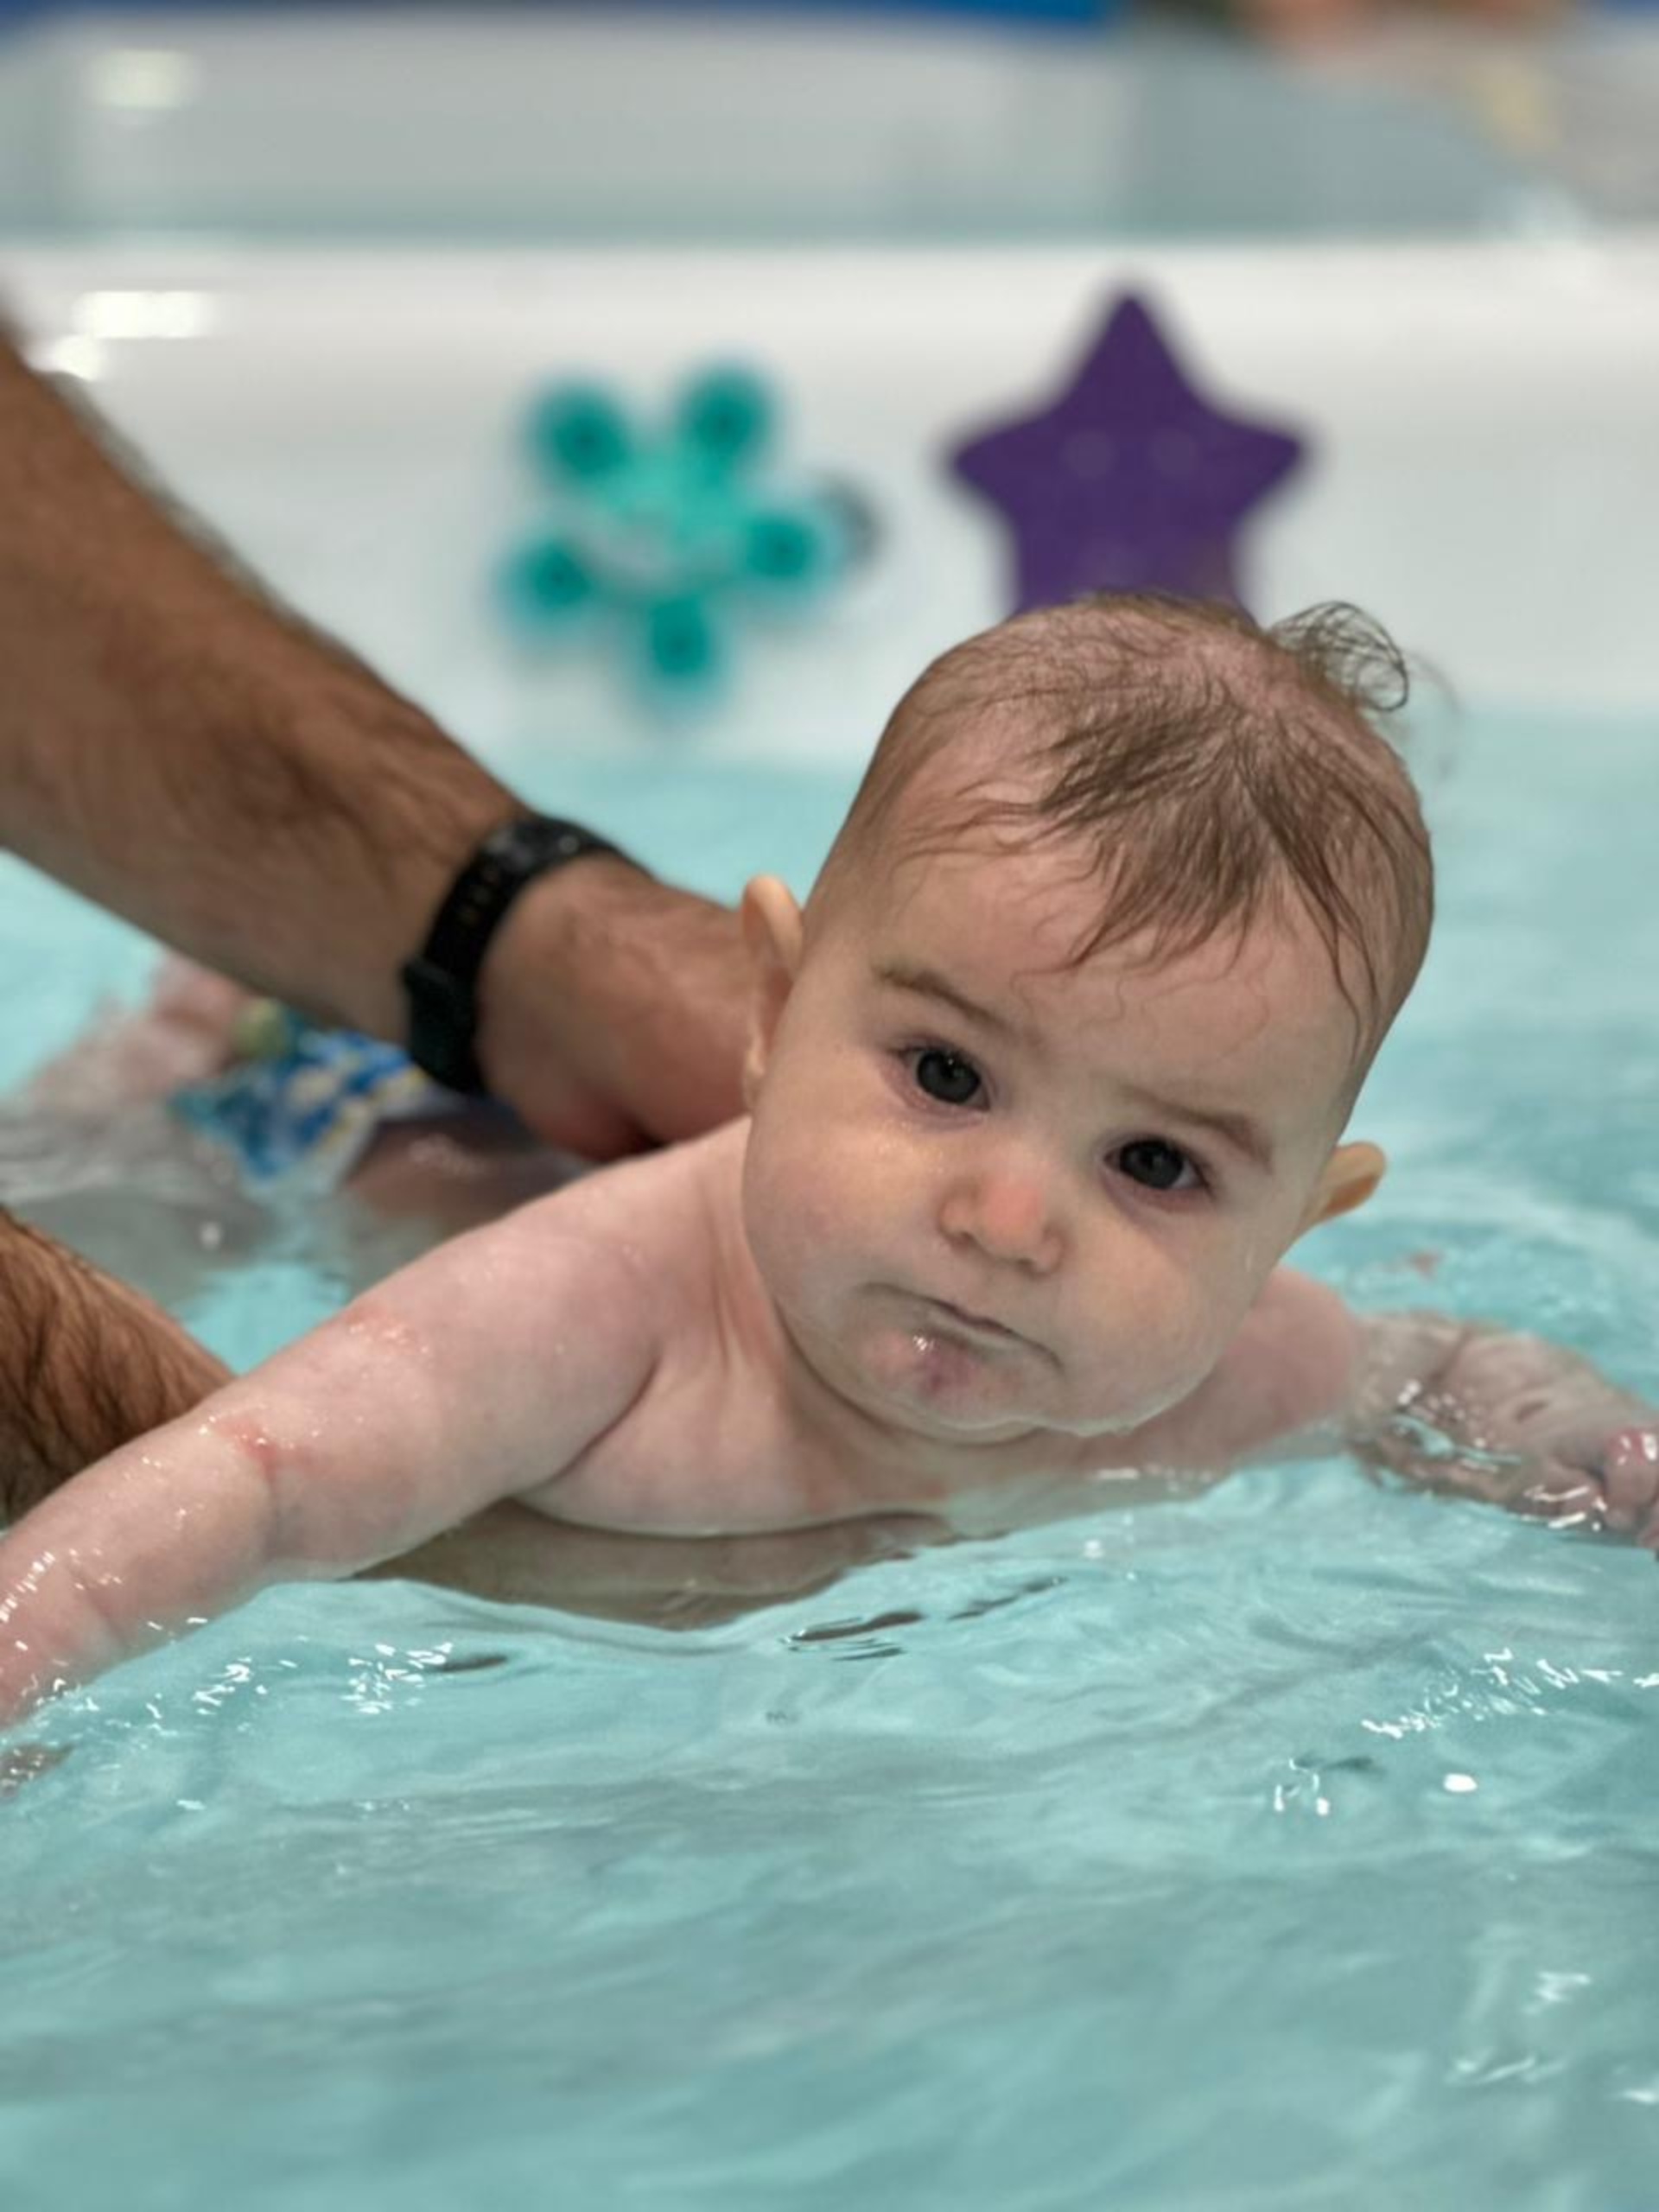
pixel 1050 1074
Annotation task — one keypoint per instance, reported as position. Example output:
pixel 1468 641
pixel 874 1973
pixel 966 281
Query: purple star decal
pixel 1130 481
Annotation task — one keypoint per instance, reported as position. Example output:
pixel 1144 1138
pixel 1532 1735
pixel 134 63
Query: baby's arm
pixel 1490 1412
pixel 1456 1405
pixel 478 1372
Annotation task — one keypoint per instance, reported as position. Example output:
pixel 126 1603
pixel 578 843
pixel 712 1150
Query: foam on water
pixel 1286 1846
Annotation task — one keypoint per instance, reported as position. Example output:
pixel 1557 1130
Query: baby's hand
pixel 1630 1479
pixel 1527 1425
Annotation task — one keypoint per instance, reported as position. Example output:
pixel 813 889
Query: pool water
pixel 1290 1845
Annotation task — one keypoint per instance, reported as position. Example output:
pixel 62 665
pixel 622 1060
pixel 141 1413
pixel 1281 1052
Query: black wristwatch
pixel 442 980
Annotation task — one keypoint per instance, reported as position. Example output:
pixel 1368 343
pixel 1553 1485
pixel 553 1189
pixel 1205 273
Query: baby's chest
pixel 704 1452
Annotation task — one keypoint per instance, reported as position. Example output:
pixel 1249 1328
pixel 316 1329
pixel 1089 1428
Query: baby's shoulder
pixel 1288 1370
pixel 1290 1367
pixel 667 1218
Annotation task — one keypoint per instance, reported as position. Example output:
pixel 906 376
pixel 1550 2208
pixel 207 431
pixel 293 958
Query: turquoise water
pixel 1289 1847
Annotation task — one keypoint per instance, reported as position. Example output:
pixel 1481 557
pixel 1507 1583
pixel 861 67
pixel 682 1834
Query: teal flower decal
pixel 666 536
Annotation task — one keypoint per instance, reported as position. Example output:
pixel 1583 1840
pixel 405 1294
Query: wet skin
pixel 1001 1220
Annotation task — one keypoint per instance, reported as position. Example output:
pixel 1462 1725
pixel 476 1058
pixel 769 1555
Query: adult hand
pixel 612 1009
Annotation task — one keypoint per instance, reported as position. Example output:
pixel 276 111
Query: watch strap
pixel 442 980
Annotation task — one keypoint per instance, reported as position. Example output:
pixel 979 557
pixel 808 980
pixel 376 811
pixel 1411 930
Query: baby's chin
pixel 953 1385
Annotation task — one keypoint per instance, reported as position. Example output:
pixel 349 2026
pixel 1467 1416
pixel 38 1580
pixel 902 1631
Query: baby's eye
pixel 1157 1166
pixel 947 1077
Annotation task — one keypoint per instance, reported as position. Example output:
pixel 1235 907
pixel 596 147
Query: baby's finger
pixel 1567 1496
pixel 1630 1479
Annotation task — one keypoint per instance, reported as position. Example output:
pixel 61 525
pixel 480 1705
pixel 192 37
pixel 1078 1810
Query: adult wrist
pixel 443 981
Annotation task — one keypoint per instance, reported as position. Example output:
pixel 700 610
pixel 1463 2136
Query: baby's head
pixel 1055 1065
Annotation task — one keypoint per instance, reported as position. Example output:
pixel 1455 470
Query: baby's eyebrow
pixel 1239 1130
pixel 927 983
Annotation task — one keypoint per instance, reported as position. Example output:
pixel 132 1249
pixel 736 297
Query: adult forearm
pixel 181 750
pixel 84 1364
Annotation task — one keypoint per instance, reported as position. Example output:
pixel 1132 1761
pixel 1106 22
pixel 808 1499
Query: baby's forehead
pixel 1008 930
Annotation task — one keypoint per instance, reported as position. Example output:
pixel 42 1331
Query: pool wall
pixel 1481 471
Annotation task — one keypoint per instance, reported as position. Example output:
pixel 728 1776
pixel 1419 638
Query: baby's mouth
pixel 968 1323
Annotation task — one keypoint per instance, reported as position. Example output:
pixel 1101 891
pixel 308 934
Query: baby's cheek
pixel 791 1214
pixel 1173 1332
pixel 1220 1295
pixel 1187 1299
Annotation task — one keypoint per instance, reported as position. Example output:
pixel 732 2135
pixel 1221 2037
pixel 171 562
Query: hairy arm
pixel 186 753
pixel 177 747
pixel 85 1363
pixel 481 1371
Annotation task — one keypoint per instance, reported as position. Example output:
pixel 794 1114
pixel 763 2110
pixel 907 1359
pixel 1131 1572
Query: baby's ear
pixel 1351 1174
pixel 772 932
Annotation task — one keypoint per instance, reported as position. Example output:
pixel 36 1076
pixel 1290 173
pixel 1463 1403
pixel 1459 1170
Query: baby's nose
pixel 1010 1215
